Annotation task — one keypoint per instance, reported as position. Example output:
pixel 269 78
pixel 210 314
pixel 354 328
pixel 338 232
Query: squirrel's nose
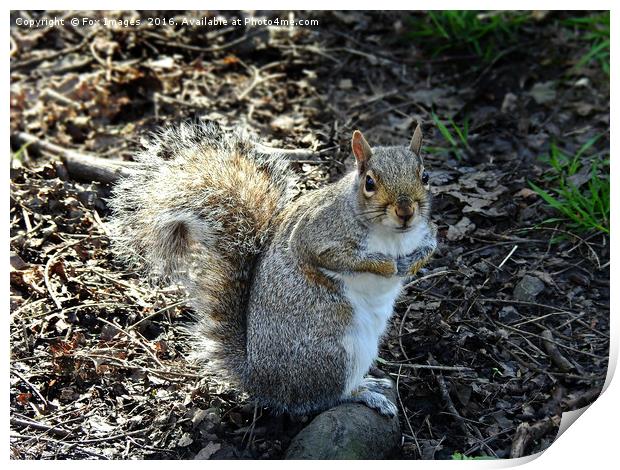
pixel 404 212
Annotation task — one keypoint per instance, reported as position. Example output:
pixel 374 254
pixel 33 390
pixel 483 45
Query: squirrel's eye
pixel 424 177
pixel 371 186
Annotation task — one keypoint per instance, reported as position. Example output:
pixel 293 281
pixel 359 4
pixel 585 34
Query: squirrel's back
pixel 198 210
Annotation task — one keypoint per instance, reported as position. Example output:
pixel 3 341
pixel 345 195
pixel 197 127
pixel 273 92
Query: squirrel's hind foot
pixel 376 384
pixel 376 401
pixel 370 393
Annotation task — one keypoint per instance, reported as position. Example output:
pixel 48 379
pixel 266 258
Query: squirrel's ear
pixel 361 149
pixel 416 140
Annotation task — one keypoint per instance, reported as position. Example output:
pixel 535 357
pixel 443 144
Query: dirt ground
pixel 509 324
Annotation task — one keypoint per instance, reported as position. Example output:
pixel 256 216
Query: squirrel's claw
pixel 376 401
pixel 370 393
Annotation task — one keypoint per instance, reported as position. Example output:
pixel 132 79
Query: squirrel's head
pixel 393 187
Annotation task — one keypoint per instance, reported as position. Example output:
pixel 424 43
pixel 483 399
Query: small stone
pixel 528 288
pixel 185 440
pixel 481 267
pixel 584 109
pixel 348 431
pixel 17 263
pixel 583 82
pixel 345 84
pixel 198 416
pixel 543 92
pixel 508 314
pixel 207 451
pixel 509 104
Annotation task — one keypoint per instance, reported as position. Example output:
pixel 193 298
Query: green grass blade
pixel 445 132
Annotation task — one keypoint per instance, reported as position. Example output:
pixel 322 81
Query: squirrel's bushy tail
pixel 198 210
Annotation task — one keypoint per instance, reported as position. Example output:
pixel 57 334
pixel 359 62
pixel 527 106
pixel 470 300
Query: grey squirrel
pixel 292 295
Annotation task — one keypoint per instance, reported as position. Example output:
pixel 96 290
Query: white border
pixel 590 444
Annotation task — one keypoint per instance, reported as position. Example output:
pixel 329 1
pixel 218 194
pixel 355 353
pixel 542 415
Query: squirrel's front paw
pixel 410 264
pixel 375 400
pixel 403 263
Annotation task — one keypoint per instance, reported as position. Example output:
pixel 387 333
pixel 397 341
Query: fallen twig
pixel 81 166
pixel 527 433
pixel 40 427
pixel 445 395
pixel 86 167
pixel 554 352
pixel 257 80
pixel 293 155
pixel 583 399
pixel 431 367
pixel 402 407
pixel 37 60
pixel 222 47
pixel 131 338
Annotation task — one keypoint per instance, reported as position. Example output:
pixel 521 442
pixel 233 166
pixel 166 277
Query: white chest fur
pixel 372 298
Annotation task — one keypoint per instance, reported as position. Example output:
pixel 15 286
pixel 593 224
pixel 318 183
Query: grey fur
pixel 268 316
pixel 183 216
